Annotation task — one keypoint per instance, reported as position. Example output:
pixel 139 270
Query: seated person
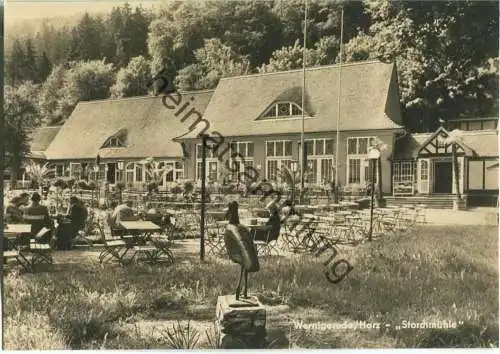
pixel 287 210
pixel 274 221
pixel 14 209
pixel 122 212
pixel 77 213
pixel 73 222
pixel 14 212
pixel 38 216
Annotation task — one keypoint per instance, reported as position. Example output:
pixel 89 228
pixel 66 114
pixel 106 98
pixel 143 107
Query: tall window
pixel 246 151
pixel 176 171
pixel 320 160
pixel 75 170
pixel 404 177
pixel 93 175
pixel 278 154
pixel 212 165
pixel 358 167
pixel 139 172
pixel 60 169
pixel 282 110
pixel 129 173
pixel 179 170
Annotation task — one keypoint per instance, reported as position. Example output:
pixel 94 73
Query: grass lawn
pixel 431 273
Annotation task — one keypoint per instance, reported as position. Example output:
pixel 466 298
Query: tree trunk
pixel 14 172
pixel 379 177
pixel 456 174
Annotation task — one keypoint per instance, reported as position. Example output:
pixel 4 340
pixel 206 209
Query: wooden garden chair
pixel 18 257
pixel 115 248
pixel 268 241
pixel 41 252
pixel 162 252
pixel 215 239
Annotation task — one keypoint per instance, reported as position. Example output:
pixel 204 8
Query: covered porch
pixel 422 165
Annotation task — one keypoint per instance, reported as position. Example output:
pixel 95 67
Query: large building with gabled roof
pixel 260 117
pixel 255 121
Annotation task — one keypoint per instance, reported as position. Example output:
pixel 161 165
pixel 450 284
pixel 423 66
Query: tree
pixel 14 64
pixel 323 52
pixel 127 33
pixel 213 61
pixel 251 28
pixel 29 62
pixel 175 34
pixel 21 116
pixel 133 80
pixel 43 68
pixel 85 81
pixel 323 19
pixel 155 172
pixel 38 173
pixel 51 94
pixel 87 39
pixel 427 42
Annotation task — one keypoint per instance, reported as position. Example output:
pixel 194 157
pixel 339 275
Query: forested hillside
pixel 446 52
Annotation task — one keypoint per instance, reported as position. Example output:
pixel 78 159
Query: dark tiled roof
pixel 476 143
pixel 40 140
pixel 149 124
pixel 239 101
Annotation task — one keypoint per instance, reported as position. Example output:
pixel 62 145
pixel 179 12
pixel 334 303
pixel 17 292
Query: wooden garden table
pixel 144 230
pixel 12 232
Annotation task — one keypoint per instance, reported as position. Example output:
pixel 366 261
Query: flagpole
pixel 303 105
pixel 338 106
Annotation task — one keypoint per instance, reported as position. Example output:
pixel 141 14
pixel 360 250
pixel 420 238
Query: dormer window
pixel 113 142
pixel 282 110
pixel 117 140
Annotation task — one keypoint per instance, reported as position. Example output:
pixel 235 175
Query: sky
pixel 20 10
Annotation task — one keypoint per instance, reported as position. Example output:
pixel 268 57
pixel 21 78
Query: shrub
pixel 188 187
pixel 176 189
pixel 70 182
pixel 60 183
pixel 82 184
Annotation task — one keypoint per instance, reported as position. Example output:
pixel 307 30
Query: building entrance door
pixel 443 177
pixel 111 174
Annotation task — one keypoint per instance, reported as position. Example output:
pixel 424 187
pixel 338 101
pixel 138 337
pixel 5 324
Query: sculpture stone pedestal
pixel 242 323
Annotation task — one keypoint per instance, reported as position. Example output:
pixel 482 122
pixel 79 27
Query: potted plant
pixel 120 186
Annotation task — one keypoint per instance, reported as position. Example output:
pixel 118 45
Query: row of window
pixel 276 148
pixel 473 125
pixel 320 156
pixel 165 171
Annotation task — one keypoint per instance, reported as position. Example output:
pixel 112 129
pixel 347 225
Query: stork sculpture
pixel 240 248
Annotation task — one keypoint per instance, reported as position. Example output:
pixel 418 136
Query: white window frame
pixel 281 160
pixel 364 162
pixel 211 160
pixel 129 169
pixel 276 115
pixel 113 142
pixel 318 157
pixel 424 180
pixel 72 167
pixel 402 176
pixel 247 161
pixel 63 167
